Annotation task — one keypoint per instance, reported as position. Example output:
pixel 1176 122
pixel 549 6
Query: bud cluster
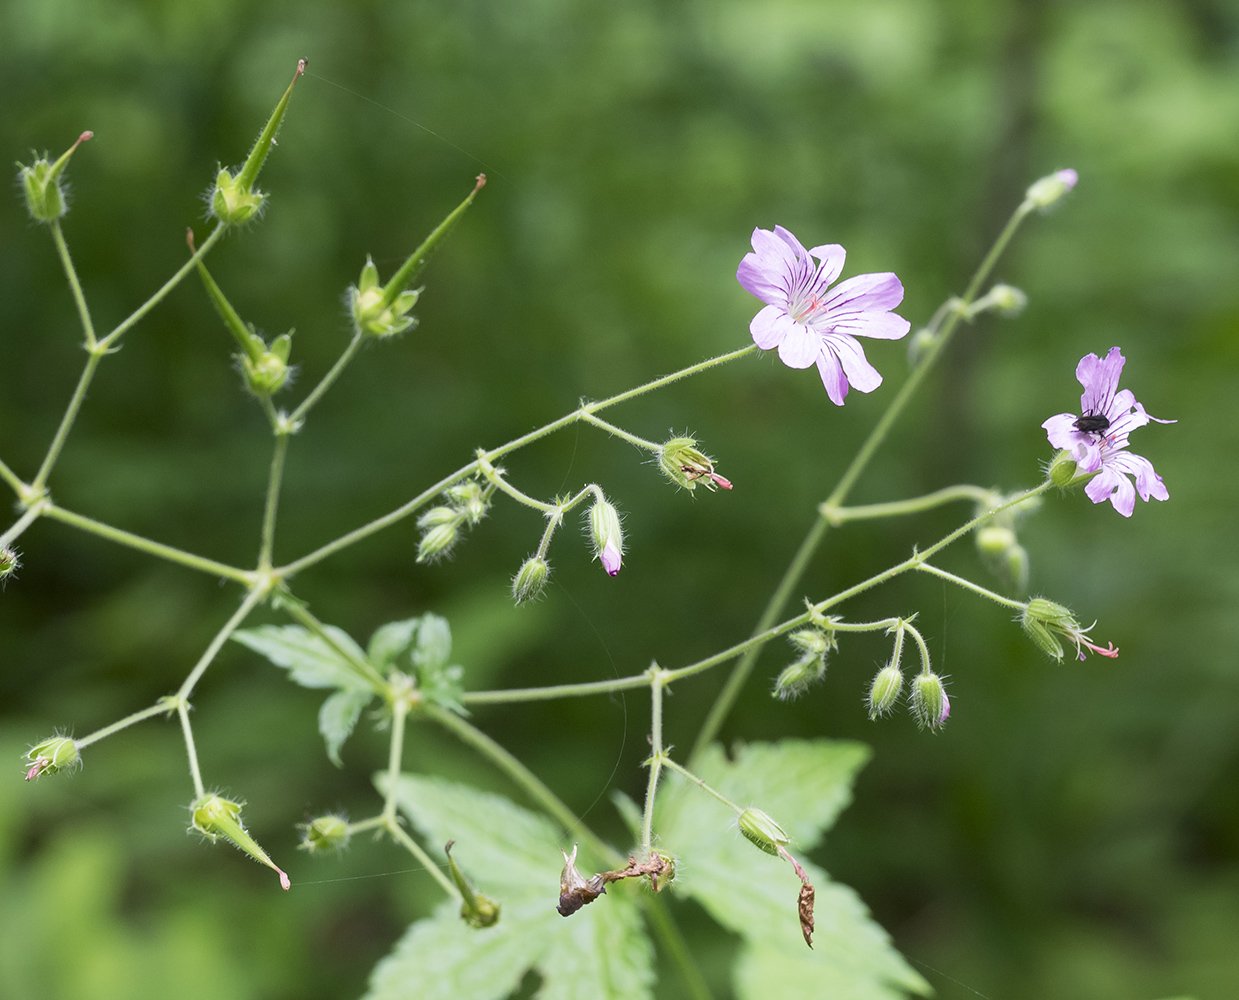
pixel 466 504
pixel 809 667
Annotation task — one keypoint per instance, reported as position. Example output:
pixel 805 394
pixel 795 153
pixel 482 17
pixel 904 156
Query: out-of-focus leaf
pixel 337 718
pixel 803 785
pixel 310 661
pixel 512 856
pixel 390 642
pixel 434 643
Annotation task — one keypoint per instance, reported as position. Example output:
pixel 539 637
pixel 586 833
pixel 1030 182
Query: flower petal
pixel 832 256
pixel 861 375
pixel 877 324
pixel 1148 482
pixel 769 327
pixel 799 347
pixel 1110 484
pixel 1060 429
pixel 1100 379
pixel 833 379
pixel 864 292
pixel 757 277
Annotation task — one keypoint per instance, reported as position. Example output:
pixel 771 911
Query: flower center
pixel 808 309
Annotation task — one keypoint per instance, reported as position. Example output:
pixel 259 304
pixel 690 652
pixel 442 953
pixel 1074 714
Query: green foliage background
pixel 1072 833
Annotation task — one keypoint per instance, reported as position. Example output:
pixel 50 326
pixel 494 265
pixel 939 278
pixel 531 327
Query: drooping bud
pixel 993 540
pixel 884 691
pixel 475 909
pixel 326 833
pixel 55 754
pixel 684 465
pixel 9 562
pixel 441 530
pixel 530 580
pixel 798 676
pixel 607 536
pixel 929 702
pixel 383 311
pixel 1007 300
pixel 233 199
pixel 214 816
pixel 1048 190
pixel 759 829
pixel 469 499
pixel 43 184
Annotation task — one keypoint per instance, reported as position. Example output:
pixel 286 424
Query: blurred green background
pixel 1074 831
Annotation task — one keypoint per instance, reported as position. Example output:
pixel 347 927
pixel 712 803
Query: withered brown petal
pixel 805 908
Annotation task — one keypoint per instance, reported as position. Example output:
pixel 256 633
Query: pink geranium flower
pixel 1097 439
pixel 810 323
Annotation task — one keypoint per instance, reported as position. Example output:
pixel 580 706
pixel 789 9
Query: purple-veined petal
pixel 769 327
pixel 861 375
pixel 833 379
pixel 766 283
pixel 1060 429
pixel 1110 484
pixel 831 256
pixel 799 347
pixel 789 238
pixel 866 292
pixel 1148 482
pixel 878 325
pixel 1100 379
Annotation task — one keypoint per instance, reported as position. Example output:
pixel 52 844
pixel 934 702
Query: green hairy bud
pixel 326 833
pixel 885 690
pixel 929 702
pixel 761 830
pixel 9 562
pixel 43 184
pixel 52 755
pixel 530 580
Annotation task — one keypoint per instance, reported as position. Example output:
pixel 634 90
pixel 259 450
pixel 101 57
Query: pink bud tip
pixel 1068 177
pixel 285 884
pixel 611 558
pixel 946 709
pixel 84 136
pixel 481 182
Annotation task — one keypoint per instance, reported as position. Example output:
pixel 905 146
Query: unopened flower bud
pixel 214 816
pixel 798 676
pixel 530 579
pixel 607 536
pixel 1045 192
pixel 993 540
pixel 763 831
pixel 469 498
pixel 811 640
pixel 920 344
pixel 438 539
pixel 265 376
pixel 43 184
pixel 475 909
pixel 326 833
pixel 9 562
pixel 884 691
pixel 50 756
pixel 929 702
pixel 684 465
pixel 1008 300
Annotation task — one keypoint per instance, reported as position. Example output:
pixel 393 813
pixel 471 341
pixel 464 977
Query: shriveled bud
pixel 530 580
pixel 607 536
pixel 684 465
pixel 55 754
pixel 43 184
pixel 662 870
pixel 9 562
pixel 475 909
pixel 929 702
pixel 1047 191
pixel 884 691
pixel 214 816
pixel 761 830
pixel 234 199
pixel 326 833
pixel 575 890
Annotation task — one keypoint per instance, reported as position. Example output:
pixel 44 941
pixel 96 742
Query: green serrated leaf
pixel 338 717
pixel 390 642
pixel 803 785
pixel 512 855
pixel 434 643
pixel 310 661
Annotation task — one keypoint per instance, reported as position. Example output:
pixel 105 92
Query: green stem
pixel 791 578
pixel 838 515
pixel 309 402
pixel 976 588
pixel 273 502
pixel 167 287
pixel 146 545
pixel 363 669
pixel 921 647
pixel 399 835
pixel 657 678
pixel 161 708
pixel 14 480
pixel 252 600
pixel 66 422
pixel 668 935
pixel 702 785
pixel 494 477
pixel 367 824
pixel 62 248
pixel 619 432
pixel 555 691
pixel 18 527
pixel 525 778
pixel 195 772
pixel 395 753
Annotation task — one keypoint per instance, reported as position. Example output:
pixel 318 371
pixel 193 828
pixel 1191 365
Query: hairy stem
pixel 252 600
pixel 363 668
pixel 976 588
pixel 273 502
pixel 182 709
pixel 161 708
pixel 657 678
pixel 619 432
pixel 75 286
pixel 13 479
pixel 896 508
pixel 401 837
pixel 66 422
pixel 18 527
